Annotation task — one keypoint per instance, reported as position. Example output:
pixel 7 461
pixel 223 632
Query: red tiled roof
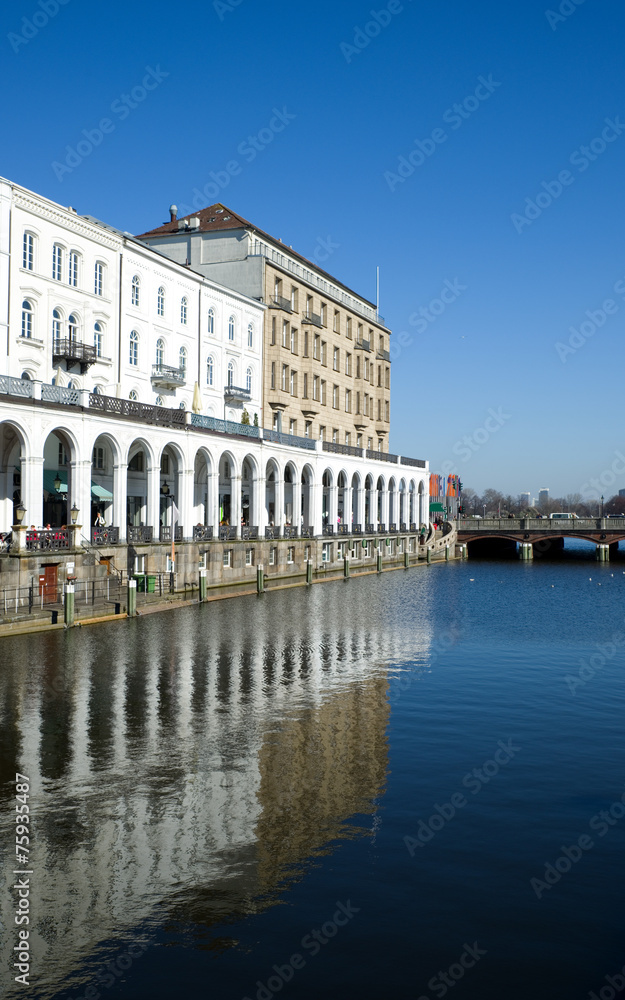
pixel 218 218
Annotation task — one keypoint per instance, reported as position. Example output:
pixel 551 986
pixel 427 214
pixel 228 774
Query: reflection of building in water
pixel 177 769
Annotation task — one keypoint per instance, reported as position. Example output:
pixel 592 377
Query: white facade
pixel 157 327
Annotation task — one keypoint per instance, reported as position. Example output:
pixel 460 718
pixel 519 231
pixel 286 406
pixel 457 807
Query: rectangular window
pixel 97 459
pixel 308 428
pixel 305 391
pixel 366 368
pixel 293 385
pixel 379 409
pixel 348 332
pixel 290 554
pixel 387 409
pixel 380 376
pixel 98 278
pixel 335 397
pixel 28 256
pixel 305 343
pixel 285 377
pixel 227 558
pixel 348 438
pixel 292 426
pixel 285 333
pixel 293 340
pixel 359 440
pixel 277 288
pixel 348 364
pixel 57 262
pixel 322 433
pixel 73 269
pixel 316 347
pixel 309 306
pixel 336 359
pixel 348 401
pixel 249 557
pixel 307 553
pixel 358 366
pixel 337 321
pixel 387 378
pixel 335 435
pixel 316 387
pixel 357 402
pixel 273 331
pixel 273 374
pixel 324 314
pixel 294 298
pixel 272 556
pixel 370 443
pixel 360 333
pixel 340 554
pixel 323 393
pixel 326 552
pixel 136 463
pixel 324 353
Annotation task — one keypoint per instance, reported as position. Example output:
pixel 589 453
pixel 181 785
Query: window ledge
pixel 39 344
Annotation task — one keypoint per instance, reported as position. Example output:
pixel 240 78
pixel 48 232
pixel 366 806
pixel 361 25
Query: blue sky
pixel 491 381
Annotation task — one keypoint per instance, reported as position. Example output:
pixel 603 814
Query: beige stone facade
pixel 327 370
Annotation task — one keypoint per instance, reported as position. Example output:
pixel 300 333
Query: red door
pixel 50 584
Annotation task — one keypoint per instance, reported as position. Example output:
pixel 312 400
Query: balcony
pixel 383 355
pixel 279 302
pixel 166 377
pixel 235 394
pixel 74 353
pixel 313 319
pixel 363 345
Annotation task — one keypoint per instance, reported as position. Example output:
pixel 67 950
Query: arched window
pixel 98 335
pixel 56 329
pixel 159 400
pixel 28 254
pixel 182 405
pixel 183 310
pixel 182 362
pixel 210 368
pixel 25 377
pixel 160 352
pixel 250 335
pixel 231 373
pixel 211 320
pixel 248 380
pixel 160 301
pixel 135 290
pixel 134 348
pixel 27 319
pixel 57 262
pixel 73 268
pixel 98 278
pixel 133 395
pixel 72 328
pixel 72 385
pixel 231 328
pixel 97 391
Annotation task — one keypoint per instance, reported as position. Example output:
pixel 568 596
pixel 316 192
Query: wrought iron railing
pixel 272 532
pixel 343 529
pixel 140 534
pixel 105 536
pixel 413 526
pixel 383 355
pixel 202 532
pixel 73 350
pixel 402 526
pixel 342 449
pixel 169 374
pixel 133 410
pixel 237 392
pixel 328 529
pixel 52 539
pixel 381 529
pixel 416 463
pixel 369 529
pixel 279 302
pixel 164 533
pixel 312 318
pixel 249 533
pixel 308 531
pixel 392 529
pixel 279 437
pixel 363 345
pixel 356 529
pixel 290 531
pixel 227 532
pixel 223 426
pixel 381 456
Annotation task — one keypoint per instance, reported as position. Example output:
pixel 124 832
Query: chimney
pixel 173 213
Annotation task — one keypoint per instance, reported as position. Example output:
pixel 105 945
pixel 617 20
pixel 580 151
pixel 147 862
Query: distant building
pixel 543 496
pixel 621 493
pixel 526 499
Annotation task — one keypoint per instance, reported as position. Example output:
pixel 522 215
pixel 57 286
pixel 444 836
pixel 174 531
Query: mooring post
pixel 379 562
pixel 447 553
pixel 346 567
pixel 406 560
pixel 68 608
pixel 428 554
pixel 132 598
pixel 309 572
pixel 202 586
pixel 260 579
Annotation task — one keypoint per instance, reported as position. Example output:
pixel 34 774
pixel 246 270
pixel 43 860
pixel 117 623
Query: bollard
pixel 406 560
pixel 379 562
pixel 202 586
pixel 346 568
pixel 132 598
pixel 447 553
pixel 260 580
pixel 68 610
pixel 428 555
pixel 309 572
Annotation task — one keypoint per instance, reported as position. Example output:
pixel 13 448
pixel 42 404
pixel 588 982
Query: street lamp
pixel 164 490
pixel 20 510
pixel 57 482
pixel 75 511
pixel 484 510
pixel 602 505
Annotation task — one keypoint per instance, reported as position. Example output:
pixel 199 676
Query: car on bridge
pixel 562 516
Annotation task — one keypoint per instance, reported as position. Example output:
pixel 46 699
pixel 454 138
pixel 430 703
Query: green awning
pixel 100 493
pixel 49 475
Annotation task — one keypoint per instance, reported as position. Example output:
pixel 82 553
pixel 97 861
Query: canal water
pixel 397 786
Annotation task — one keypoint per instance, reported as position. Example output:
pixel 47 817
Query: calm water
pixel 245 795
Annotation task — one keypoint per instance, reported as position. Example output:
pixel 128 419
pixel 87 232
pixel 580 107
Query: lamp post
pixel 75 511
pixel 57 482
pixel 602 505
pixel 20 510
pixel 484 507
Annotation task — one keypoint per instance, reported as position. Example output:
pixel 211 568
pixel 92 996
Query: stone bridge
pixel 546 533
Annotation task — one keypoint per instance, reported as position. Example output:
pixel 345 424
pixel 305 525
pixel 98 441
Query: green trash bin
pixel 151 584
pixel 140 578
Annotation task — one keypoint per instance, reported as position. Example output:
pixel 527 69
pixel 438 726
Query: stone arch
pixel 250 506
pixel 272 478
pixel 104 485
pixel 61 486
pixel 140 459
pixel 291 493
pixel 15 485
pixel 204 492
pixel 229 500
pixel 308 484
